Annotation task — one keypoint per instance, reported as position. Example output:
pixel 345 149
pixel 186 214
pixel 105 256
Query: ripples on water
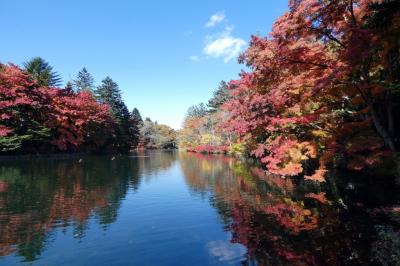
pixel 171 208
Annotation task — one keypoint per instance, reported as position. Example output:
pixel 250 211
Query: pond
pixel 176 208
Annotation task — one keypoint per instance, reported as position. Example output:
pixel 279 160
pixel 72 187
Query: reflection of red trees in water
pixel 264 213
pixel 79 205
pixel 293 216
pixel 288 221
pixel 3 186
pixel 71 201
pixel 38 196
pixel 263 241
pixel 75 205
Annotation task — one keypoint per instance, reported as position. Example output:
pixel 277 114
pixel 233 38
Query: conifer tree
pixel 84 80
pixel 69 87
pixel 220 96
pixel 136 123
pixel 125 136
pixel 136 116
pixel 39 69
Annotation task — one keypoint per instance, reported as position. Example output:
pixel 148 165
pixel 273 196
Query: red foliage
pixel 206 148
pixel 315 83
pixel 73 119
pixel 21 100
pixel 77 117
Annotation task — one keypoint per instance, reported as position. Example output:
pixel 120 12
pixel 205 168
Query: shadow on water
pixel 345 221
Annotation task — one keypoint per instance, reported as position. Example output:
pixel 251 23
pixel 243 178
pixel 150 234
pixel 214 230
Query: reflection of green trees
pixel 284 221
pixel 38 195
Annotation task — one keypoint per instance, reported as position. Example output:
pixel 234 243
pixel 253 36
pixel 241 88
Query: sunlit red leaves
pixel 75 116
pixel 71 116
pixel 304 85
pixel 20 99
pixel 287 155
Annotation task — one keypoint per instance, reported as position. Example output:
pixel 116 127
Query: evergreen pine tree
pixel 136 123
pixel 136 116
pixel 42 72
pixel 221 95
pixel 125 136
pixel 84 80
pixel 199 110
pixel 69 87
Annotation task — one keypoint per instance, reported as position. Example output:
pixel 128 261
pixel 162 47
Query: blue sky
pixel 165 55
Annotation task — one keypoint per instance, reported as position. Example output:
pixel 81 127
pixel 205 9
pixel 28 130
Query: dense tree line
pixel 39 117
pixel 202 127
pixel 157 136
pixel 322 91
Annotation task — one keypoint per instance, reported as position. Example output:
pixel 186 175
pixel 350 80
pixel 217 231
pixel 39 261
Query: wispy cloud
pixel 215 19
pixel 224 45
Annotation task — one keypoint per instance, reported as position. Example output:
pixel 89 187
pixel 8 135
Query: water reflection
pixel 39 195
pixel 284 221
pixel 267 220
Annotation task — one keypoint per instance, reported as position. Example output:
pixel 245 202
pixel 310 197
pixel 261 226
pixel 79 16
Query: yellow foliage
pixel 320 133
pixel 238 149
pixel 210 139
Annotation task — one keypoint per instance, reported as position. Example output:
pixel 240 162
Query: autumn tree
pixel 202 129
pixel 158 136
pixel 24 107
pixel 37 119
pixel 43 72
pixel 79 122
pixel 321 90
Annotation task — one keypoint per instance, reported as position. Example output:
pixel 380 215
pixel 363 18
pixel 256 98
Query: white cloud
pixel 224 45
pixel 215 19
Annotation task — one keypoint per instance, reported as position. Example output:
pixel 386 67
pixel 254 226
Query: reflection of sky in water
pixel 225 251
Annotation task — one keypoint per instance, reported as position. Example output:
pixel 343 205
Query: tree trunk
pixel 382 130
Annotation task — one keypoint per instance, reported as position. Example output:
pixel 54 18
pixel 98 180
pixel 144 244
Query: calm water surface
pixel 172 208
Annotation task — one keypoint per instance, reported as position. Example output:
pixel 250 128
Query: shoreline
pixel 68 155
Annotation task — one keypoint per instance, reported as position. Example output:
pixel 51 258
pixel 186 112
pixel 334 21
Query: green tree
pixel 199 110
pixel 69 86
pixel 136 116
pixel 136 123
pixel 125 135
pixel 220 96
pixel 42 72
pixel 84 80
